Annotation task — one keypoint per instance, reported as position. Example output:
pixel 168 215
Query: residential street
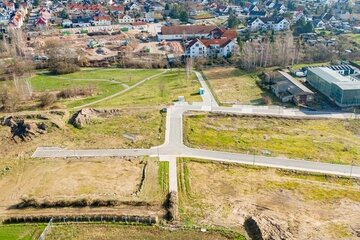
pixel 174 147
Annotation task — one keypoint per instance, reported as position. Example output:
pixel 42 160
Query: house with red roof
pixel 116 10
pixel 104 20
pixel 222 47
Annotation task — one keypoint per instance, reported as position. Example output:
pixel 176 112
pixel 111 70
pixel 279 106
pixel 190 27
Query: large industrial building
pixel 340 83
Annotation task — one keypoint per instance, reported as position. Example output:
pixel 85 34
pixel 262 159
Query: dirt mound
pixel 25 131
pixel 265 227
pixel 172 206
pixel 87 115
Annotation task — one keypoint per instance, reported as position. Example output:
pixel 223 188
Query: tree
pixel 291 5
pixel 184 17
pixel 302 26
pixel 63 14
pixel 233 21
pixel 179 11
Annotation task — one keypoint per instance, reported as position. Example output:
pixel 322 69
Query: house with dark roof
pixel 288 89
pixel 269 23
pixel 257 14
pixel 328 17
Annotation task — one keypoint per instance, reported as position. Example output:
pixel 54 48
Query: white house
pixel 124 18
pixel 256 24
pixel 67 23
pixel 134 6
pixel 117 9
pixel 4 18
pixel 297 15
pixel 210 47
pixel 196 48
pixel 281 24
pixel 269 4
pixel 269 23
pixel 102 21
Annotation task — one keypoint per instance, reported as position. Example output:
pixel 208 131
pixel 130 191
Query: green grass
pixel 20 231
pixel 127 76
pixel 334 141
pixel 315 193
pixel 163 176
pixel 158 91
pixel 354 37
pixel 344 181
pixel 340 231
pixel 106 82
pixel 114 231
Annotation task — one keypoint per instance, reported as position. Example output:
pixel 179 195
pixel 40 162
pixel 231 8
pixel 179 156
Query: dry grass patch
pixel 131 128
pixel 335 141
pixel 70 181
pixel 234 86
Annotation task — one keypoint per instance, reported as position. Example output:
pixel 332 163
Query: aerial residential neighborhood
pixel 168 119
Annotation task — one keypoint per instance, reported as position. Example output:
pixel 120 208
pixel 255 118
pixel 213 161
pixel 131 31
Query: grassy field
pixel 301 205
pixel 21 232
pixel 105 81
pixel 133 128
pixel 159 91
pixel 234 86
pixel 335 141
pixel 114 231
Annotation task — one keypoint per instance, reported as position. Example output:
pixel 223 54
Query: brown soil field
pixel 284 204
pixel 73 179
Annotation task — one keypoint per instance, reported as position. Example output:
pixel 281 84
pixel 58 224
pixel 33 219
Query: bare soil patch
pixel 283 205
pixel 58 186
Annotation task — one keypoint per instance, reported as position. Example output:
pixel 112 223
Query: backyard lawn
pixel 335 141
